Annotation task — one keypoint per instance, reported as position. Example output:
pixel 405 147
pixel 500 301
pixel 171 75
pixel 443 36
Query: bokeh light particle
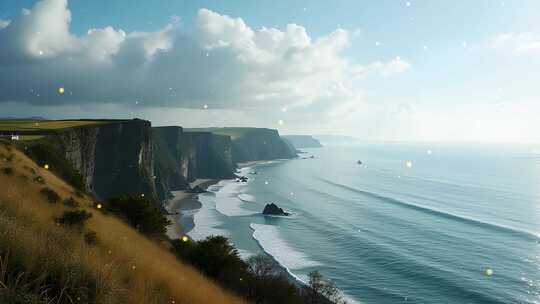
pixel 408 164
pixel 61 90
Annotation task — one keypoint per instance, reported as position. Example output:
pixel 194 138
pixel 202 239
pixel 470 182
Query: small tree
pixel 141 214
pixel 319 291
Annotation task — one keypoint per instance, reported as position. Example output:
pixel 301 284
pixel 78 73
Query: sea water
pixel 414 223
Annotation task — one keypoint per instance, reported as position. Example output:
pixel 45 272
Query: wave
pixel 458 218
pixel 248 198
pixel 227 201
pixel 267 236
pixel 205 222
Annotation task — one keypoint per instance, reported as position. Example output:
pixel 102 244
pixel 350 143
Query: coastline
pixel 183 201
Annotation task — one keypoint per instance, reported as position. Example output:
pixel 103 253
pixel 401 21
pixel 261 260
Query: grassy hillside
pixel 104 261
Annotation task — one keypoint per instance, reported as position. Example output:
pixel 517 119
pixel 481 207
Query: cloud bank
pixel 518 43
pixel 219 62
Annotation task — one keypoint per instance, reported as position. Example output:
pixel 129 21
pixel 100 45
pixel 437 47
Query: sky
pixel 451 71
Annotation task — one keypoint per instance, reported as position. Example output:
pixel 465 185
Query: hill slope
pixel 44 262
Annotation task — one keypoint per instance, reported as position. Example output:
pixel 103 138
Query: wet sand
pixel 182 203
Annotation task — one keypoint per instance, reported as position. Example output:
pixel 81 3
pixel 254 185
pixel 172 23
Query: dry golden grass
pixel 125 267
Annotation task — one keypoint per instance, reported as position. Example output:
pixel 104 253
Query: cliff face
pixel 181 157
pixel 250 144
pixel 303 141
pixel 115 158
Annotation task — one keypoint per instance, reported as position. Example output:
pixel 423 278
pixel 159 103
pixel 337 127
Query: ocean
pixel 414 223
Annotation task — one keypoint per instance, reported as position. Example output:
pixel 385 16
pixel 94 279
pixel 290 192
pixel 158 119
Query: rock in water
pixel 273 209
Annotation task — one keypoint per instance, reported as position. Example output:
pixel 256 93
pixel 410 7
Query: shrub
pixel 7 171
pixel 321 291
pixel 141 214
pixel 216 258
pixel 74 218
pixel 51 195
pixel 40 180
pixel 47 151
pixel 90 238
pixel 71 202
pixel 78 193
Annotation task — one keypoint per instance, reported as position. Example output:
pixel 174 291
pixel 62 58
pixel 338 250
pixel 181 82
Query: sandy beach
pixel 184 201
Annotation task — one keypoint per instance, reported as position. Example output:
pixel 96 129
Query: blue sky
pixel 463 58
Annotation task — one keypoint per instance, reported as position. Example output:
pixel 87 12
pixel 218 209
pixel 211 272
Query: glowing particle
pixel 61 90
pixel 425 47
pixel 142 194
pixel 464 43
pixel 428 152
pixel 292 193
pixel 185 239
pixel 398 58
pixel 136 102
pixel 205 106
pixel 207 54
pixel 46 167
pixel 408 164
pixel 377 43
pixel 407 4
pixel 266 182
pixel 305 9
pixel 489 271
pixel 284 109
pixel 133 267
pixel 40 53
pixel 99 206
pixel 281 122
pixel 241 279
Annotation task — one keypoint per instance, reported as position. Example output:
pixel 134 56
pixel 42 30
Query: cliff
pixel 181 157
pixel 303 141
pixel 114 157
pixel 251 144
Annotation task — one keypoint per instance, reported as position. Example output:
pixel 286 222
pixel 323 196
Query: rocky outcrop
pixel 302 141
pixel 273 209
pixel 115 158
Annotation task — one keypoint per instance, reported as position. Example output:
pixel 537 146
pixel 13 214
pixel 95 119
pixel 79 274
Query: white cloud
pixel 518 43
pixel 4 23
pixel 386 69
pixel 222 62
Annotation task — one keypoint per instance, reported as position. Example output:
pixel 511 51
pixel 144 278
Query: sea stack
pixel 273 209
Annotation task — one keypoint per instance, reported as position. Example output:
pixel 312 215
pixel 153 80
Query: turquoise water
pixel 388 233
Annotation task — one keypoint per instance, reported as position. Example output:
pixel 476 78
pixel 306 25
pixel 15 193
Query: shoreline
pixel 184 201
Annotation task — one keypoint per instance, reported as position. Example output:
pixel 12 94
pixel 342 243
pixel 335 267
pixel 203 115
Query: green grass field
pixel 35 125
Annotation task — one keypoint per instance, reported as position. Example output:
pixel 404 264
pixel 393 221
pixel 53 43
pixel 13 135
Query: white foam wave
pixel 269 239
pixel 206 222
pixel 227 201
pixel 248 198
